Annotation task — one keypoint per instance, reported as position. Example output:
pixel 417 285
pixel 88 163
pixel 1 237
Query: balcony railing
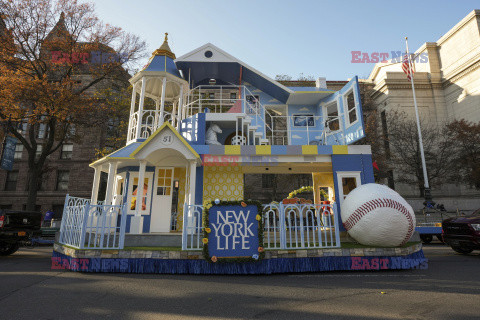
pixel 150 123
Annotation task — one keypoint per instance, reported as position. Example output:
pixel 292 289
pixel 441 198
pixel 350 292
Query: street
pixel 449 289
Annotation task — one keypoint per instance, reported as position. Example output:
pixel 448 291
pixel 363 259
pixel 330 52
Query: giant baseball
pixel 375 215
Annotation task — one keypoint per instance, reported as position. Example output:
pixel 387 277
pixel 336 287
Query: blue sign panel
pixel 8 153
pixel 234 231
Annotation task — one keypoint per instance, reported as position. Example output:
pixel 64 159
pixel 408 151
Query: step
pixel 153 240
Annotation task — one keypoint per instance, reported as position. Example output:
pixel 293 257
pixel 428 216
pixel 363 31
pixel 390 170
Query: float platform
pixel 175 261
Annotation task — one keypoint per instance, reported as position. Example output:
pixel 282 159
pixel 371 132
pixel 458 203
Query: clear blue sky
pixel 289 37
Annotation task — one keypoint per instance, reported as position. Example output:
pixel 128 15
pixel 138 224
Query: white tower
pixel 161 82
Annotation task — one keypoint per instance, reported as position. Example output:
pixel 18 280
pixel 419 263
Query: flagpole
pixel 427 194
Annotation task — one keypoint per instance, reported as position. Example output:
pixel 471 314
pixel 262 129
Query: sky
pixel 313 38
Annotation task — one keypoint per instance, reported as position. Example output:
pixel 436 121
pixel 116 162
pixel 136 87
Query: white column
pixel 96 183
pixel 180 108
pixel 132 111
pixel 156 124
pixel 140 108
pixel 162 100
pixel 132 104
pixel 136 224
pixel 174 113
pixel 112 171
pixel 193 178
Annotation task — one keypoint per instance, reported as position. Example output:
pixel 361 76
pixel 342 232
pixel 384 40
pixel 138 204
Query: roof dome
pixel 162 60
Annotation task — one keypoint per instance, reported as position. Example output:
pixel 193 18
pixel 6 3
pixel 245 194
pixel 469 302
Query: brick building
pixel 66 170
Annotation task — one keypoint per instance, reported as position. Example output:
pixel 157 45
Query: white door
pixel 347 181
pixel 162 200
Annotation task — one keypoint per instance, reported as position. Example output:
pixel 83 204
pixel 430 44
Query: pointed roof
pixel 166 126
pixel 164 49
pixel 217 63
pixel 59 37
pixel 162 60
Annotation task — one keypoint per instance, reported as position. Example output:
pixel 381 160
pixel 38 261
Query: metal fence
pixel 87 226
pixel 192 227
pixel 300 226
pixel 286 226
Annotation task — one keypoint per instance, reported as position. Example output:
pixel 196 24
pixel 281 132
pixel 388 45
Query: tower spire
pixel 164 49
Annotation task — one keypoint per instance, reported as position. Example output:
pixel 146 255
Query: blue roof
pixel 125 151
pixel 229 72
pixel 163 63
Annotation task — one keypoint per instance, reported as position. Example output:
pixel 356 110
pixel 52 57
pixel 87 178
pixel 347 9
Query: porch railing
pixel 286 226
pixel 150 123
pixel 87 226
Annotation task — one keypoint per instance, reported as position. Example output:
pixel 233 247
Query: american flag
pixel 407 67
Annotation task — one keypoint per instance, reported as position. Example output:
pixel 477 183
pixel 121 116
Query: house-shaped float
pixel 225 119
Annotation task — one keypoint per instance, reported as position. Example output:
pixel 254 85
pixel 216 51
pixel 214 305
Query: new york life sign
pixel 234 231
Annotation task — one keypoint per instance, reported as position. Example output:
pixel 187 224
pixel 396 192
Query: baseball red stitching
pixel 368 206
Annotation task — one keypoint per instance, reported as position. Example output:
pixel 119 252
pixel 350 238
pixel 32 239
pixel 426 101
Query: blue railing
pixel 88 226
pixel 286 226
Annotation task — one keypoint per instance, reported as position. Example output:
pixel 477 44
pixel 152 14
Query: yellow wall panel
pixel 224 183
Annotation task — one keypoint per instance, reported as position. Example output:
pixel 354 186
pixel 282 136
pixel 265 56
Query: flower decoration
pixel 205 240
pixel 258 217
pixel 243 204
pixel 255 256
pixel 260 249
pixel 208 230
pixel 214 259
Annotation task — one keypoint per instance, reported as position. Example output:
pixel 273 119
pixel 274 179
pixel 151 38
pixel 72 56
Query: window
pixel 11 182
pixel 352 111
pixel 67 150
pixel 164 182
pixel 18 151
pixel 303 120
pixel 211 95
pixel 268 180
pixel 6 206
pixel 62 180
pixel 22 127
pixel 133 203
pixel 347 181
pixel 38 153
pixel 348 184
pixel 42 128
pixel 332 121
pixel 233 95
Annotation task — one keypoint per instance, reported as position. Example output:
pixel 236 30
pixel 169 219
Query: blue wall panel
pixel 351 162
pixel 199 186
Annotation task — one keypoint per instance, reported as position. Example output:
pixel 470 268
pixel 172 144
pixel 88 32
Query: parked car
pixel 18 228
pixel 462 233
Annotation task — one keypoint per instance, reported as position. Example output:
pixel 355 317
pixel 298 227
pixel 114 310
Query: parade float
pixel 174 200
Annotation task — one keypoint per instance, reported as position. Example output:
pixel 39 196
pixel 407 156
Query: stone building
pixel 66 170
pixel 447 88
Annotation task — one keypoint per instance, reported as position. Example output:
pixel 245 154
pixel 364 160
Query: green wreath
pixel 207 230
pixel 305 189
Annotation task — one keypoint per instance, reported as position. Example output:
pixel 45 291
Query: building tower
pixel 160 81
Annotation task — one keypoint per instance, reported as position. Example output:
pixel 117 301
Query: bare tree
pixel 47 87
pixel 405 151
